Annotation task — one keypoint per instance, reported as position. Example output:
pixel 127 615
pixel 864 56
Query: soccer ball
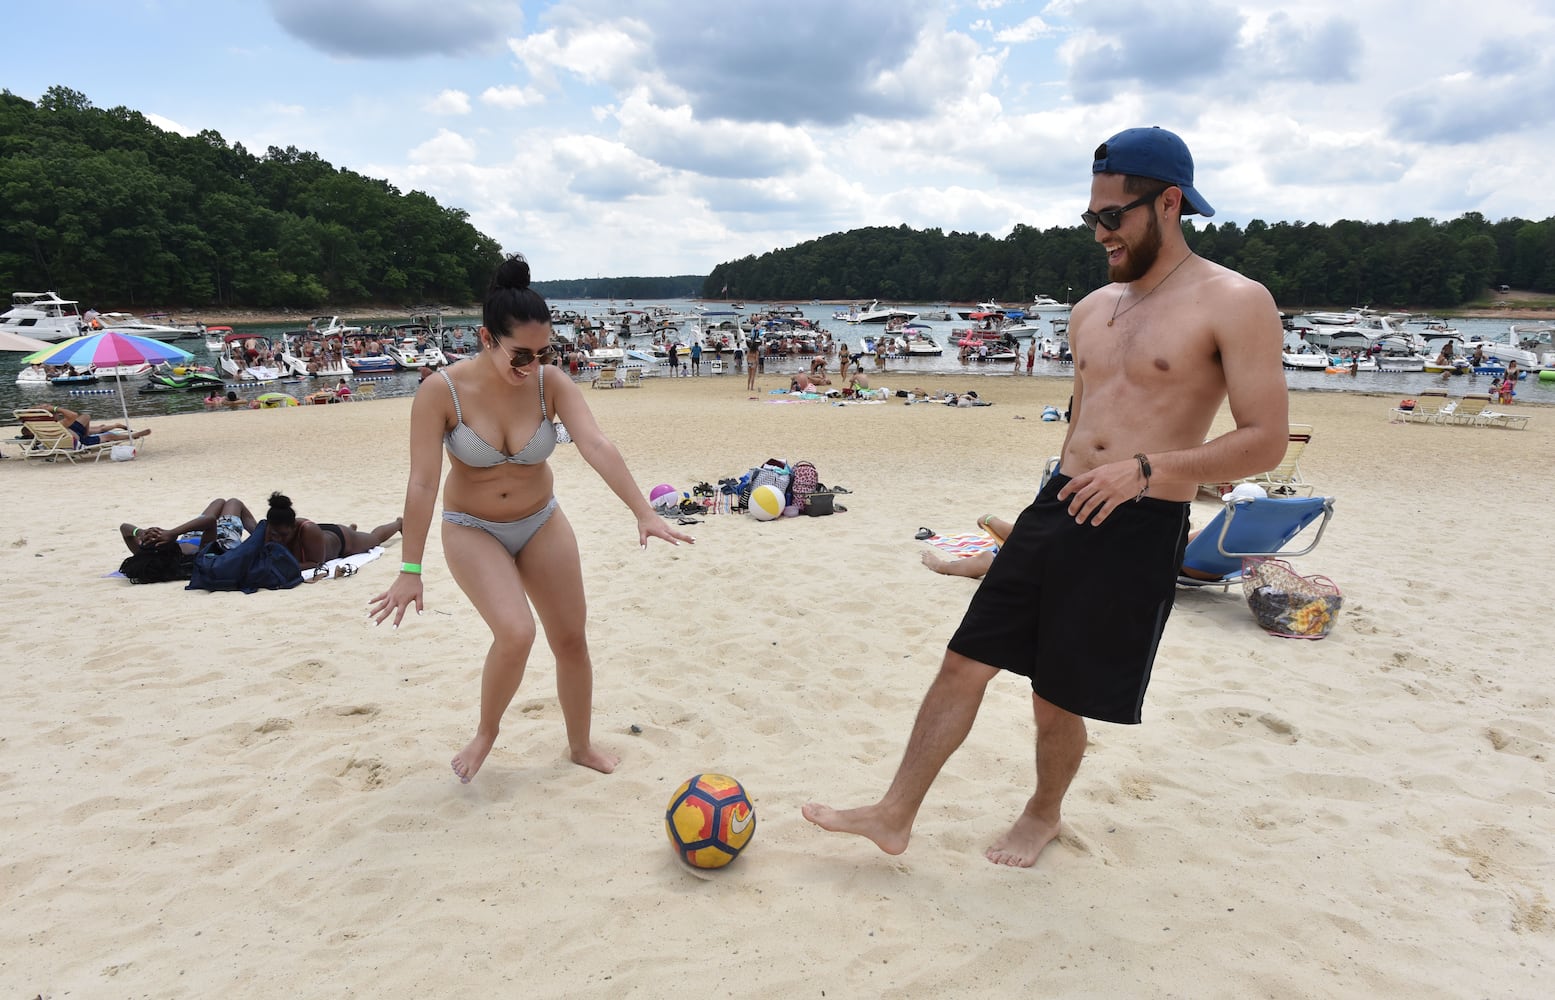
pixel 709 820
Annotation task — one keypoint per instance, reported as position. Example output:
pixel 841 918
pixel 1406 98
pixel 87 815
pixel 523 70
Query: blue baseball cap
pixel 1155 153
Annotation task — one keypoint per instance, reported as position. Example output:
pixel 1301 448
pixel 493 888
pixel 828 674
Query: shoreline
pixel 278 317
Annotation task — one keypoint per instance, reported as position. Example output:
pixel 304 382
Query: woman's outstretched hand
pixel 654 526
pixel 402 593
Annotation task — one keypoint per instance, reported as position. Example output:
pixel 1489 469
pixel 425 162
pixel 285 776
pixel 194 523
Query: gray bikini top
pixel 475 451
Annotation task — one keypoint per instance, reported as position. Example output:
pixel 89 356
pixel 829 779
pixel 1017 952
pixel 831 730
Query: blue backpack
pixel 255 564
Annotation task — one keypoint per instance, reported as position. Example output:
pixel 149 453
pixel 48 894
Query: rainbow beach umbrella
pixel 109 348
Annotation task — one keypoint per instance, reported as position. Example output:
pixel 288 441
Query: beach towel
pixel 964 545
pixel 356 562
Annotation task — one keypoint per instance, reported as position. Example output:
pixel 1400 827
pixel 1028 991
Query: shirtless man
pixel 1156 354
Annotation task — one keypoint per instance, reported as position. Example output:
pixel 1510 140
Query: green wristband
pixel 411 568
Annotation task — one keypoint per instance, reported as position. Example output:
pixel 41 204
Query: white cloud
pixel 449 102
pixel 510 97
pixel 168 125
pixel 1028 30
pixel 445 147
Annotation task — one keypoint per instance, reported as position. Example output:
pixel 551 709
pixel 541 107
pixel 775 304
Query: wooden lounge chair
pixel 606 378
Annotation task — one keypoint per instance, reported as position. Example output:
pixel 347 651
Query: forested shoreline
pixel 107 208
pixel 1423 262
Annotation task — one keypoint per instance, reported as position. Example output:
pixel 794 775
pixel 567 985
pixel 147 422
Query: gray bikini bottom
pixel 513 535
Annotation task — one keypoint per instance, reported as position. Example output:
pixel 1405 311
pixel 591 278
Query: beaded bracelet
pixel 1144 470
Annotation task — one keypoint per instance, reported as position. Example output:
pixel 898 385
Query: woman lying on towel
pixel 315 544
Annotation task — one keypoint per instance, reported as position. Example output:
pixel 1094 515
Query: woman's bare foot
pixel 865 822
pixel 597 759
pixel 972 567
pixel 1025 840
pixel 469 760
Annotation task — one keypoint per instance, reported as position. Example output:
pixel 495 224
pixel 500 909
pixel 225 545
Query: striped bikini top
pixel 475 451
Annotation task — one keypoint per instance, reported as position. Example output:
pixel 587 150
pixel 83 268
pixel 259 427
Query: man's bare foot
pixel 1020 846
pixel 865 822
pixel 469 760
pixel 597 759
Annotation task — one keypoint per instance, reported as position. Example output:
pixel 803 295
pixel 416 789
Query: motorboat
pixel 1354 317
pixel 42 316
pixel 920 345
pixel 330 326
pixel 73 377
pixel 1531 345
pixel 237 363
pixel 1304 359
pixel 1400 361
pixel 982 307
pixel 370 364
pixel 878 314
pixel 1047 302
pixel 124 322
pixel 308 354
pixel 413 350
pixel 216 338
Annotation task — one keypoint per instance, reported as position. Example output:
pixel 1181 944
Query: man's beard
pixel 1139 258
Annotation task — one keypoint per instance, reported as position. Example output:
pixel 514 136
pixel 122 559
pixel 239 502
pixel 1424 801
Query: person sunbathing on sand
pixel 222 522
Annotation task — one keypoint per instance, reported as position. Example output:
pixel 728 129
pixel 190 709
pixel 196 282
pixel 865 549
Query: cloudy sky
pixel 606 137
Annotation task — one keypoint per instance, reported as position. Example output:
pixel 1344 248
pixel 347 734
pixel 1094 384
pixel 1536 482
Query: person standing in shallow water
pixel 508 543
pixel 1155 354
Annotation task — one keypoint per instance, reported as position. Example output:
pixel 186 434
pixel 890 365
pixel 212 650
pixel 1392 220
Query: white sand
pixel 226 795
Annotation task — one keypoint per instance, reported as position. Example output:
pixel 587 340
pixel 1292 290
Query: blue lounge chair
pixel 1251 527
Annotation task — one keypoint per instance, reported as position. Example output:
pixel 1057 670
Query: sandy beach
pixel 228 795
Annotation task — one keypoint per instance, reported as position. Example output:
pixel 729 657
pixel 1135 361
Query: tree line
pixel 678 286
pixel 107 208
pixel 1421 263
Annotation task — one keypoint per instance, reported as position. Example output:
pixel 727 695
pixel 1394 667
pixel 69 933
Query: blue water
pixel 103 399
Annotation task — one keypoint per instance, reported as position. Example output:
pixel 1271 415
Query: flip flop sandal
pixel 687 520
pixel 923 533
pixel 344 571
pixel 839 508
pixel 840 489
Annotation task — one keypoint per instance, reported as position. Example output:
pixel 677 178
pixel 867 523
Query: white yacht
pixel 125 322
pixel 1531 345
pixel 1047 302
pixel 42 316
pixel 876 313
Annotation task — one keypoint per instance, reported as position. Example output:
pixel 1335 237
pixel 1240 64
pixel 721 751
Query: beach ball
pixel 767 503
pixel 709 820
pixel 663 491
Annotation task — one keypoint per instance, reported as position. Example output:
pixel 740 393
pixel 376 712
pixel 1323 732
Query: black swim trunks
pixel 1079 609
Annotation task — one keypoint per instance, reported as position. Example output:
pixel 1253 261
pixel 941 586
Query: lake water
pixel 102 400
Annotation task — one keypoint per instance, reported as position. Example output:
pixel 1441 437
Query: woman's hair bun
pixel 514 273
pixel 279 499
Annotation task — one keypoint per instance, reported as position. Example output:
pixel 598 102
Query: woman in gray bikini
pixel 507 542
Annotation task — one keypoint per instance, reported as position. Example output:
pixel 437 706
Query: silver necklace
pixel 1116 314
